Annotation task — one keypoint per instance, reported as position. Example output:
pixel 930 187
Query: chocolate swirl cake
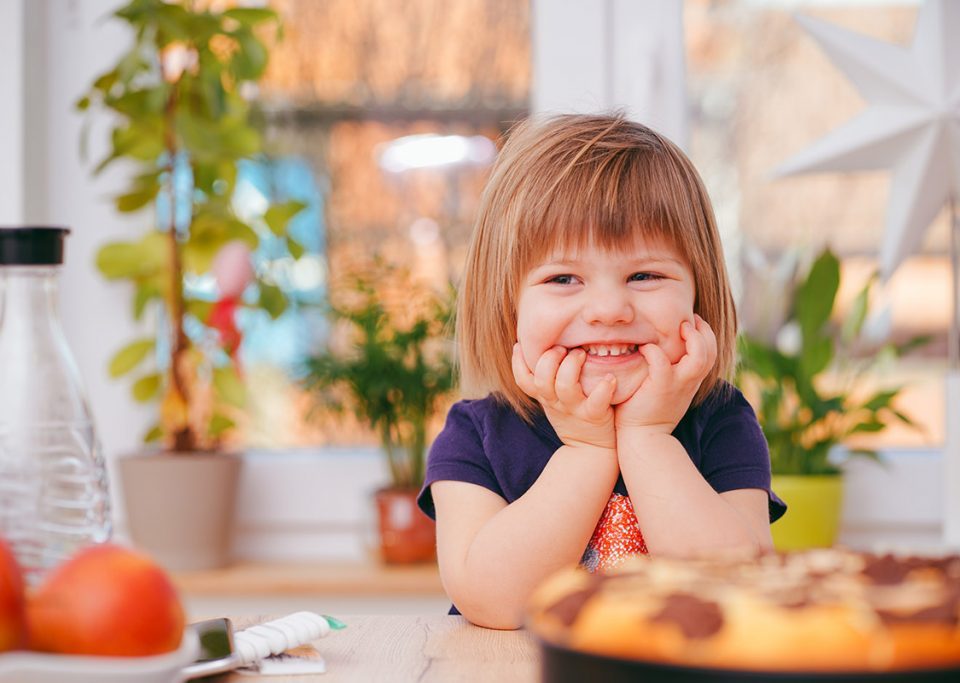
pixel 817 611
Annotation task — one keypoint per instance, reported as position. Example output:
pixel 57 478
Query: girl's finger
pixel 704 328
pixel 522 374
pixel 567 385
pixel 701 351
pixel 545 373
pixel 693 364
pixel 657 360
pixel 598 402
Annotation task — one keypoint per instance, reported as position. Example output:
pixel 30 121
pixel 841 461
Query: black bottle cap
pixel 32 245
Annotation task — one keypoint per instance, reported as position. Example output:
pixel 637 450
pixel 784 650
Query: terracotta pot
pixel 181 506
pixel 407 535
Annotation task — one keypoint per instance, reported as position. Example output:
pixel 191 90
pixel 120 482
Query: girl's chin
pixel 627 384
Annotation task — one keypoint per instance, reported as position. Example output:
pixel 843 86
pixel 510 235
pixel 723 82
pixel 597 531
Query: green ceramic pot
pixel 813 515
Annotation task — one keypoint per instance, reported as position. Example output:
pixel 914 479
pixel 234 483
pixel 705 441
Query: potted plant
pixel 811 392
pixel 392 373
pixel 183 126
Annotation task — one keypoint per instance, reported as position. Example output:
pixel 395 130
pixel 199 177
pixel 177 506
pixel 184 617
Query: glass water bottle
pixel 54 496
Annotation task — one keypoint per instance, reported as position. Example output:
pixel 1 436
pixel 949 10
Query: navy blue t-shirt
pixel 484 442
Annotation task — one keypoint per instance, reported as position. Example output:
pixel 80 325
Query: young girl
pixel 596 318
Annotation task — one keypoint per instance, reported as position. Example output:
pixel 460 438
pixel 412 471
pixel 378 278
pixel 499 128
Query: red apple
pixel 13 619
pixel 106 600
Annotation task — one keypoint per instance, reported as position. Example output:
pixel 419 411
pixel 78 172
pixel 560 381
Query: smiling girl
pixel 595 327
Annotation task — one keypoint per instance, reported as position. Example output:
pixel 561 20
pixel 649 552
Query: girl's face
pixel 608 303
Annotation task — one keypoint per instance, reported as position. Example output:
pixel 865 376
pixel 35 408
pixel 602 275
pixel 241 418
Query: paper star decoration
pixel 912 124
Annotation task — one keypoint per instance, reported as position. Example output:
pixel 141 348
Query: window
pixel 385 116
pixel 762 90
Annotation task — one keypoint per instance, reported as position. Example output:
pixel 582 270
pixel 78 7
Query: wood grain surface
pixel 401 648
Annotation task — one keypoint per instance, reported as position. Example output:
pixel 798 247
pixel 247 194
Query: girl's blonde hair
pixel 567 182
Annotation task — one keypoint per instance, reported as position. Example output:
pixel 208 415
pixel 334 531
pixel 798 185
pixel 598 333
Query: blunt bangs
pixel 609 195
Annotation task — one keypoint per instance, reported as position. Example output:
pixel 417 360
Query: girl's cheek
pixel 527 352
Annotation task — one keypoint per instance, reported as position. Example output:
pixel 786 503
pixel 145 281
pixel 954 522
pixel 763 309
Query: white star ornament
pixel 912 123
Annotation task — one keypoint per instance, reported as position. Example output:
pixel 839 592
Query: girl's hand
pixel 664 396
pixel 578 419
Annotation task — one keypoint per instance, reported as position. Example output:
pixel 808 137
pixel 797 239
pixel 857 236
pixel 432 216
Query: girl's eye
pixel 643 277
pixel 563 279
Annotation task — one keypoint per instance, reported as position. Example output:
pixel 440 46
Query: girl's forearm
pixel 679 513
pixel 544 530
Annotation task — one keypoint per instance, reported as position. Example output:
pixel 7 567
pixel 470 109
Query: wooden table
pixel 400 648
pixel 328 588
pixel 274 579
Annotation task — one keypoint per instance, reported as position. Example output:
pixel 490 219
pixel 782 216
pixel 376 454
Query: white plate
pixel 35 667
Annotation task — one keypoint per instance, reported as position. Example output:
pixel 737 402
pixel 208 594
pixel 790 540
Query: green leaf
pixel 241 140
pixel 272 300
pixel 106 161
pixel 251 15
pixel 913 343
pixel 870 427
pixel 199 309
pixel 213 141
pixel 143 106
pixel 130 356
pixel 881 399
pixel 153 434
pixel 853 323
pixel 220 424
pixel 296 249
pixel 134 259
pixel 815 356
pixel 198 254
pixel 141 140
pixel 238 230
pixel 816 295
pixel 250 60
pixel 82 104
pixel 174 23
pixel 143 190
pixel 105 81
pixel 762 360
pixel 146 388
pixel 146 292
pixel 229 387
pixel 206 175
pixel 211 229
pixel 130 65
pixel 119 259
pixel 134 201
pixel 278 215
pixel 904 418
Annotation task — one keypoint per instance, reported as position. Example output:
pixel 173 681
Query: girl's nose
pixel 609 306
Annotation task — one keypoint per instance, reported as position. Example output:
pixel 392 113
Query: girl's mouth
pixel 611 351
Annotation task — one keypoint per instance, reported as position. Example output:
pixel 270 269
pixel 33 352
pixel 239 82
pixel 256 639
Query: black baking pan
pixel 560 665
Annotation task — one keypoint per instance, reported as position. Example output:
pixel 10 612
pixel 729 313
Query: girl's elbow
pixel 497 622
pixel 494 615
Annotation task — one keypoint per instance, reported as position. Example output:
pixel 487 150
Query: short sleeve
pixel 735 453
pixel 458 454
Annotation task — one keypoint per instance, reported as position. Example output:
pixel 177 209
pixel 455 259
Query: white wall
pixel 11 112
pixel 612 54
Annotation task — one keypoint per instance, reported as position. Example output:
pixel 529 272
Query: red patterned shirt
pixel 616 537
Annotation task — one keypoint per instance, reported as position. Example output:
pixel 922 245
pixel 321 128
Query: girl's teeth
pixel 609 350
